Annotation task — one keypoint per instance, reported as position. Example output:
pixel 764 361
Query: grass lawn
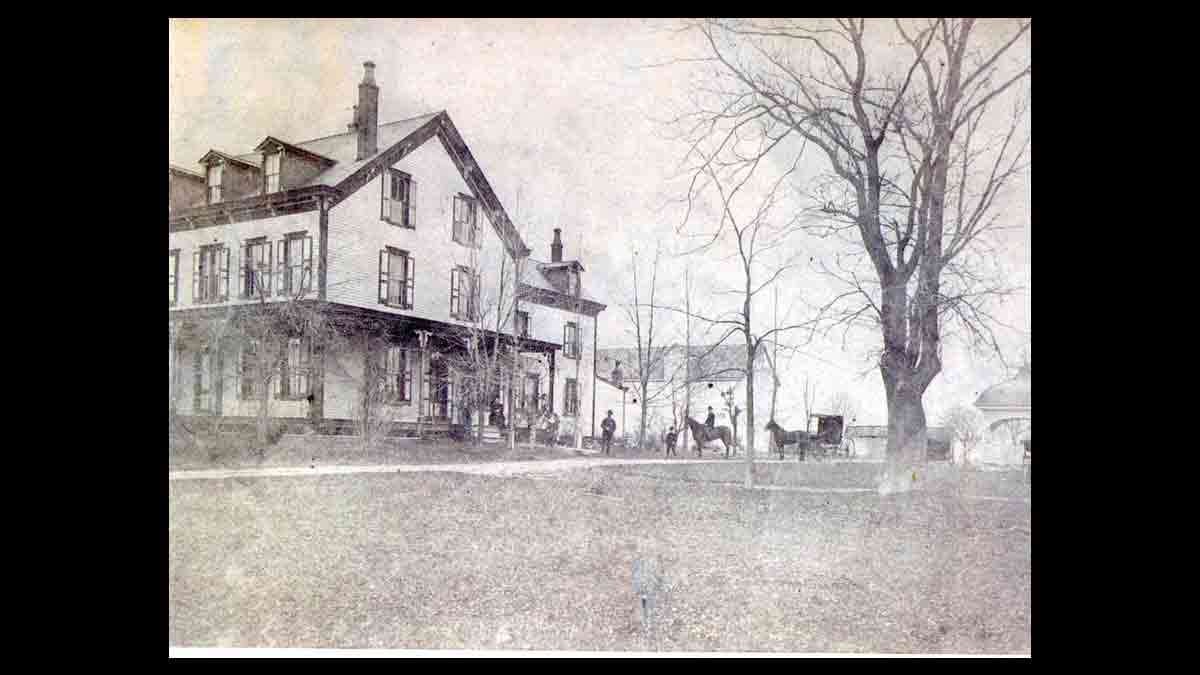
pixel 238 451
pixel 439 560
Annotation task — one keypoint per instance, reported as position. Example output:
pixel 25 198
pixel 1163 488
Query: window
pixel 522 324
pixel 466 227
pixel 396 278
pixel 271 169
pixel 571 340
pixel 256 268
pixel 572 282
pixel 248 371
pixel 214 183
pixel 464 291
pixel 399 199
pixel 571 398
pixel 529 392
pixel 295 263
pixel 293 381
pixel 207 391
pixel 172 277
pixel 397 382
pixel 210 274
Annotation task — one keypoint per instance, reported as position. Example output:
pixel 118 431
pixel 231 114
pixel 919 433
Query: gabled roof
pixel 271 141
pixel 394 140
pixel 535 278
pixel 343 148
pixel 184 172
pixel 229 158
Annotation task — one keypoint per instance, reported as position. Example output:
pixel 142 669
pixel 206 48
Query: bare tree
pixel 810 398
pixel 651 355
pixel 966 425
pixel 915 173
pixel 486 354
pixel 842 403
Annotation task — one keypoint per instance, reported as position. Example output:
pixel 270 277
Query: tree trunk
pixel 642 430
pixel 749 407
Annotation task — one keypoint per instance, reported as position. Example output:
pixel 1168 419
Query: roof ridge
pixel 385 124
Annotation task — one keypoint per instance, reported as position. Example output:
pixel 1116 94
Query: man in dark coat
pixel 710 422
pixel 608 426
pixel 672 436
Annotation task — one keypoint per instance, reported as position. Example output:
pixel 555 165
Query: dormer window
pixel 573 282
pixel 214 183
pixel 271 169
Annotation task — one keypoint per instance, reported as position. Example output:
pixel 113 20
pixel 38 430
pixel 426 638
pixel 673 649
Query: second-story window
pixel 464 292
pixel 399 199
pixel 397 272
pixel 172 277
pixel 271 171
pixel 466 226
pixel 522 324
pixel 256 268
pixel 214 183
pixel 571 340
pixel 210 274
pixel 295 262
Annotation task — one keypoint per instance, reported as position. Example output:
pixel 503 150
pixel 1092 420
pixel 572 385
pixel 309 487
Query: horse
pixel 783 438
pixel 701 434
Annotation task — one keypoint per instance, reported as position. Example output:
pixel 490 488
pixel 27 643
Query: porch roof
pixel 395 323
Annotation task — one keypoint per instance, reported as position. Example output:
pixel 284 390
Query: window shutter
pixel 408 375
pixel 454 292
pixel 196 278
pixel 383 276
pixel 412 203
pixel 245 260
pixel 308 273
pixel 218 380
pixel 281 266
pixel 385 207
pixel 197 370
pixel 269 260
pixel 410 283
pixel 278 371
pixel 224 293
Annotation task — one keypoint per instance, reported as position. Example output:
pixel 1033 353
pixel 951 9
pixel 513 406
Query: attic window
pixel 572 282
pixel 214 183
pixel 271 169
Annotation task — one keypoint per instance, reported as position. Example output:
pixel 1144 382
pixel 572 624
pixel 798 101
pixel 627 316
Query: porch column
pixel 316 404
pixel 553 373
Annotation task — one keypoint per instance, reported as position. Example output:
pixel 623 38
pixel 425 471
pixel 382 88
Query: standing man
pixel 608 426
pixel 671 438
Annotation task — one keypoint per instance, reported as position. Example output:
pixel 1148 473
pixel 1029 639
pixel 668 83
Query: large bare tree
pixel 651 352
pixel 909 117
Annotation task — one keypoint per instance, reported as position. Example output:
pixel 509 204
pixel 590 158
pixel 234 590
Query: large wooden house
pixel 391 223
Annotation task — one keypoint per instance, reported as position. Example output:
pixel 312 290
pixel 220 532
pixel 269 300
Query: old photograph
pixel 599 337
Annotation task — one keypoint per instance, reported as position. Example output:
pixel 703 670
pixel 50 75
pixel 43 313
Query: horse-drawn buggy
pixel 824 437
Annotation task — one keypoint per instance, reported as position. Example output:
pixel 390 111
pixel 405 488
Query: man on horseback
pixel 710 423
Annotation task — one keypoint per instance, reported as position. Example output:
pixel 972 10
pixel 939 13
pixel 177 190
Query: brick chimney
pixel 366 113
pixel 556 246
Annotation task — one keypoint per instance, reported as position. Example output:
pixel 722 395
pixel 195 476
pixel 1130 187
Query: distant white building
pixel 1006 409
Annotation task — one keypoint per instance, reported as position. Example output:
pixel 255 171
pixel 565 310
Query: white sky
pixel 563 111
